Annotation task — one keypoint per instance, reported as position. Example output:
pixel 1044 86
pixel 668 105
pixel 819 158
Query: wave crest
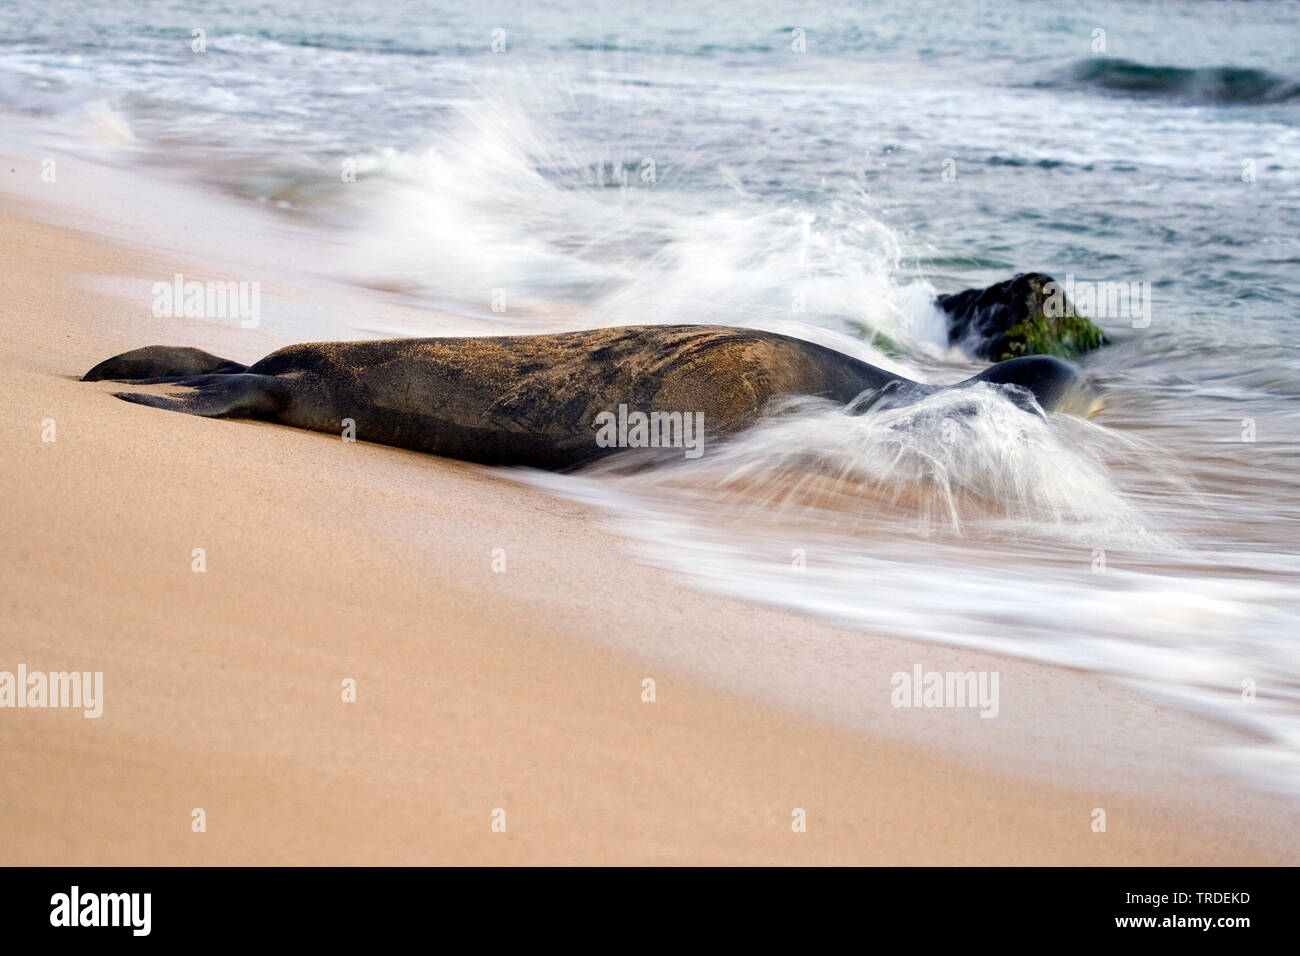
pixel 1224 84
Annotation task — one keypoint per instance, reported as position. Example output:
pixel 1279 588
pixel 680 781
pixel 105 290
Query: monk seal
pixel 536 399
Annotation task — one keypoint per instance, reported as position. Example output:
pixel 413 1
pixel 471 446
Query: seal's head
pixel 1055 384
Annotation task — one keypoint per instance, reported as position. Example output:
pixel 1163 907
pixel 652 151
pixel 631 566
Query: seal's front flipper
pixel 161 363
pixel 221 396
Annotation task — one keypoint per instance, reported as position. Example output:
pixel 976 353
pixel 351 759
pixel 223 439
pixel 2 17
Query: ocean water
pixel 821 172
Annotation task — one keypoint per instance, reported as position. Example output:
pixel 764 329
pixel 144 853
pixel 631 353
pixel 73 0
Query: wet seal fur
pixel 533 399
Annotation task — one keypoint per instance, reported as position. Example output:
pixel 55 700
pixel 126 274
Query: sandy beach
pixel 476 690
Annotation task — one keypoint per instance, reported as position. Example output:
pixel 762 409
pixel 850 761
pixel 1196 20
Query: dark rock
pixel 1009 319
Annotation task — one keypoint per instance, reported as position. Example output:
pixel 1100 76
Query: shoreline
pixel 475 690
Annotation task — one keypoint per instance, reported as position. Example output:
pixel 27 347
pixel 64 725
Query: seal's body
pixel 535 399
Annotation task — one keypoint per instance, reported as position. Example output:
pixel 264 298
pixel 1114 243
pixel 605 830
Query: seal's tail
pixel 161 363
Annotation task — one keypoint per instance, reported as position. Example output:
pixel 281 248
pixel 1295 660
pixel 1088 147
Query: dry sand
pixel 475 690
